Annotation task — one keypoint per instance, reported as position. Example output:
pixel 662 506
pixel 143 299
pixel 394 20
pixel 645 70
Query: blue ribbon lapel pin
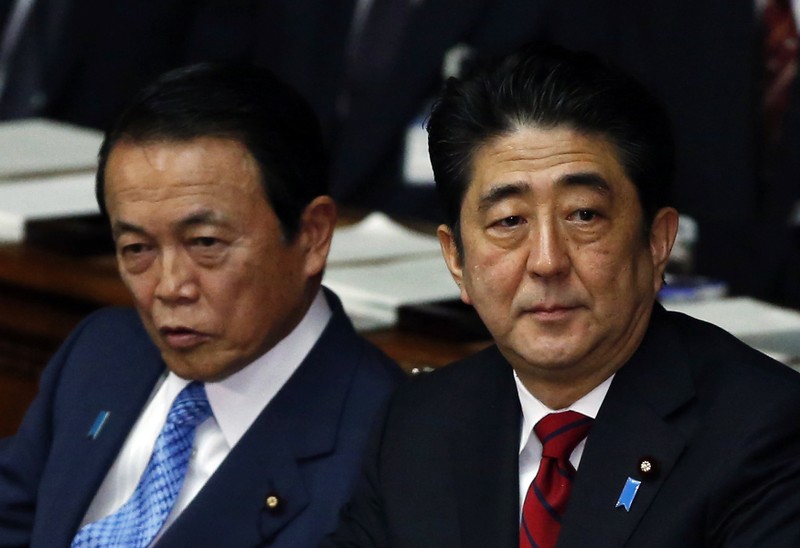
pixel 98 425
pixel 628 493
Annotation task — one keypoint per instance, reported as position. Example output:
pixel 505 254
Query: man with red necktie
pixel 597 418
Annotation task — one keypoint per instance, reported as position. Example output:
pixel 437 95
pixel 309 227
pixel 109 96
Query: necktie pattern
pixel 138 521
pixel 546 500
pixel 780 58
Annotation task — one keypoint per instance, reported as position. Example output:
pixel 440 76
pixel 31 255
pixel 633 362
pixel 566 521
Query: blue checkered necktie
pixel 138 521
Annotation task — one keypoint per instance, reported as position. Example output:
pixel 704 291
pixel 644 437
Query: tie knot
pixel 190 407
pixel 560 433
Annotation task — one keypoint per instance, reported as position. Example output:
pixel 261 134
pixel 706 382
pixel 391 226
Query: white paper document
pixel 33 147
pixel 377 265
pixel 772 329
pixel 375 291
pixel 379 238
pixel 45 198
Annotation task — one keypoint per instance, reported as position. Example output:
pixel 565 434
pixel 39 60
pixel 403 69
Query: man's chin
pixel 544 351
pixel 190 366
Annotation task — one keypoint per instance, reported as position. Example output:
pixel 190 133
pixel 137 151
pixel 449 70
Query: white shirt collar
pixel 238 399
pixel 533 410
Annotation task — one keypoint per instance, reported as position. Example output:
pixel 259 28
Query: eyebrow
pixel 500 192
pixel 200 218
pixel 204 217
pixel 586 179
pixel 121 227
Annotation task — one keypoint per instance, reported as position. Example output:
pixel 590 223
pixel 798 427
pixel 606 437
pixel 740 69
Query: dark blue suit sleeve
pixel 24 455
pixel 361 522
pixel 760 504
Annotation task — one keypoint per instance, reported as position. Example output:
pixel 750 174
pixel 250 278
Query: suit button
pixel 273 502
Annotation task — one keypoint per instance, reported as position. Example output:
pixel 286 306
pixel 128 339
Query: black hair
pixel 239 101
pixel 548 86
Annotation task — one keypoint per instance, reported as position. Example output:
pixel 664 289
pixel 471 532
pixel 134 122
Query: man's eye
pixel 585 215
pixel 205 241
pixel 511 221
pixel 134 249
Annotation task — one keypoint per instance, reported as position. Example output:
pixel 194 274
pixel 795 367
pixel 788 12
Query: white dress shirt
pixel 236 402
pixel 530 448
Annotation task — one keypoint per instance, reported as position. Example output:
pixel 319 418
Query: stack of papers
pixel 377 265
pixel 35 147
pixel 46 171
pixel 772 329
pixel 22 202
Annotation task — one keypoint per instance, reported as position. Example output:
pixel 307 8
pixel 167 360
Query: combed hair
pixel 241 102
pixel 548 86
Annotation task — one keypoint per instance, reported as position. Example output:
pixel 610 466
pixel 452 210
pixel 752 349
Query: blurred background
pixel 725 69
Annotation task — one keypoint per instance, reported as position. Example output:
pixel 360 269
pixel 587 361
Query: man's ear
pixel 316 231
pixel 452 258
pixel 662 236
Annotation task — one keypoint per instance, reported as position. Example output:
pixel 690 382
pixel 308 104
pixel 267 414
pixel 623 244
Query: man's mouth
pixel 182 338
pixel 551 311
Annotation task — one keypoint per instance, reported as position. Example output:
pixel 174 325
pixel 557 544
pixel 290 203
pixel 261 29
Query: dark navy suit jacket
pixel 305 447
pixel 719 419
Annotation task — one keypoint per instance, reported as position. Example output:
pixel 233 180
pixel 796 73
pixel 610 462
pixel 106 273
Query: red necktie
pixel 547 496
pixel 780 58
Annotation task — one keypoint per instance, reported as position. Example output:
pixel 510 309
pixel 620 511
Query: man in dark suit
pixel 598 418
pixel 214 183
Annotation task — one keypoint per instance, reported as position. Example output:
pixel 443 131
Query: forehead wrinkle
pixel 156 191
pixel 499 192
pixel 588 179
pixel 203 217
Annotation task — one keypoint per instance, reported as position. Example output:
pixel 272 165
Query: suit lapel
pixel 254 471
pixel 301 423
pixel 486 457
pixel 636 421
pixel 82 460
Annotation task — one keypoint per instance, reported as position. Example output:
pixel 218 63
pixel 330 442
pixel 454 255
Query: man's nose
pixel 177 281
pixel 549 251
